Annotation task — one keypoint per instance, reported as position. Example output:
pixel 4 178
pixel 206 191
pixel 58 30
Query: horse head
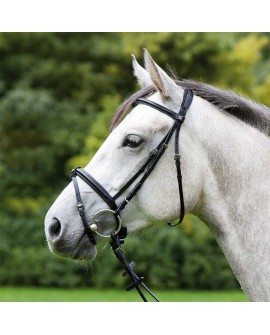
pixel 115 166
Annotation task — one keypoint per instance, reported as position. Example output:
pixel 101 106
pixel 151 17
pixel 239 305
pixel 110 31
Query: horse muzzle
pixel 64 241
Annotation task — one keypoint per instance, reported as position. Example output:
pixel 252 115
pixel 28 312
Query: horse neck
pixel 235 201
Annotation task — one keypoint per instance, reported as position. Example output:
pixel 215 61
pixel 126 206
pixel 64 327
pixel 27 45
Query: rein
pixel 120 232
pixel 116 241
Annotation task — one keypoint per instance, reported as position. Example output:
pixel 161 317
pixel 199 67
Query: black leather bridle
pixel 120 232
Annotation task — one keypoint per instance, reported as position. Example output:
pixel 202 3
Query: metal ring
pixel 117 217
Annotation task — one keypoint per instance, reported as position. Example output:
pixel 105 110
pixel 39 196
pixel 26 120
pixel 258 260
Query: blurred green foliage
pixel 58 92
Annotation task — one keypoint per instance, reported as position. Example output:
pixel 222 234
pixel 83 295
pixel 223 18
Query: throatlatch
pixel 119 232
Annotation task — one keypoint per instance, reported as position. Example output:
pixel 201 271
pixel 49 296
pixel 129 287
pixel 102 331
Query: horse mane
pixel 255 114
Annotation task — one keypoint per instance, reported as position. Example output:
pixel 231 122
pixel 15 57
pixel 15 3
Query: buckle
pixel 73 172
pixel 181 118
pixel 153 152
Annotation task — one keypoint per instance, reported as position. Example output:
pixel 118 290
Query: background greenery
pixel 58 92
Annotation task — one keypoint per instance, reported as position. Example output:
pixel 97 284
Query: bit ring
pixel 93 226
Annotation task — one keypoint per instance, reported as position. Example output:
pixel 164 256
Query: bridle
pixel 120 232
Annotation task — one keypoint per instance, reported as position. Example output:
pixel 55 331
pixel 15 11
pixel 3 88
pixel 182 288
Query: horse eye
pixel 132 141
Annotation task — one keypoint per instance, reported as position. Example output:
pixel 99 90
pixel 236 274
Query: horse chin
pixel 84 253
pixel 84 250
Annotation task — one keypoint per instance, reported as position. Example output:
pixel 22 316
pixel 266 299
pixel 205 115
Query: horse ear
pixel 141 74
pixel 165 85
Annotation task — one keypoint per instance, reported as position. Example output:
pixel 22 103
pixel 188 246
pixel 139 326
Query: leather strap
pixel 96 186
pixel 187 100
pixel 156 106
pixel 81 210
pixel 151 162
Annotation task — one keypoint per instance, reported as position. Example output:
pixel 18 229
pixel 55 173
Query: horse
pixel 224 145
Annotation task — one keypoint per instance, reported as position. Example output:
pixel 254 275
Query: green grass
pixel 28 294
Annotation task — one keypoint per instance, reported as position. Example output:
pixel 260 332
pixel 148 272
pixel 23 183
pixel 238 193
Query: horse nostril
pixel 55 228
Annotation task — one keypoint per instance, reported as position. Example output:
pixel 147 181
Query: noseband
pixel 117 237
